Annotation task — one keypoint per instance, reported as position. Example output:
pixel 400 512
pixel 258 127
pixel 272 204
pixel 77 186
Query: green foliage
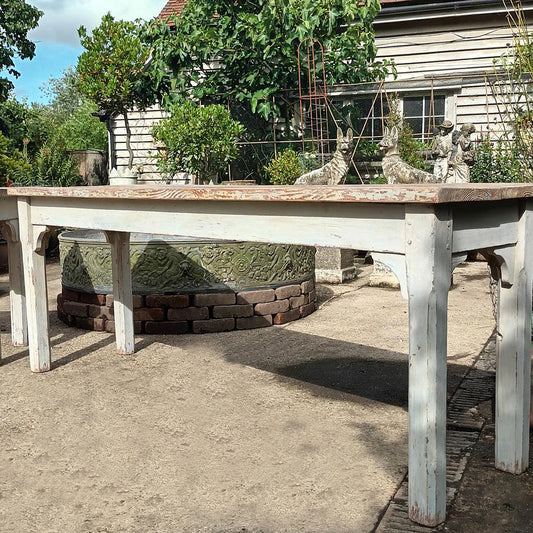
pixel 111 71
pixel 82 131
pixel 248 51
pixel 46 132
pixel 52 167
pixel 12 163
pixel 512 90
pixel 411 149
pixel 366 150
pixel 13 117
pixel 200 140
pixel 497 162
pixel 17 18
pixel 285 169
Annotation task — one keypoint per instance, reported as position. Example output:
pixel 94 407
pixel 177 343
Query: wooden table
pixel 421 232
pixel 10 230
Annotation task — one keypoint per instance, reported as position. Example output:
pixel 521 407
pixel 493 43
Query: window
pixel 422 114
pixel 374 123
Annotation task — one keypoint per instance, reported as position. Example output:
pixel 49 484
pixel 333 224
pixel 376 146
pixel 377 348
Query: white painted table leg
pixel 513 348
pixel 122 291
pixel 428 266
pixel 33 240
pixel 17 298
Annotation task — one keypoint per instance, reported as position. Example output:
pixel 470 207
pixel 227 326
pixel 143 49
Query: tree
pixel 247 51
pixel 17 18
pixel 112 71
pixel 198 140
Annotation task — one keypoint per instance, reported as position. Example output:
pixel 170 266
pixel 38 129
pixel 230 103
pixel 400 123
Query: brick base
pixel 192 313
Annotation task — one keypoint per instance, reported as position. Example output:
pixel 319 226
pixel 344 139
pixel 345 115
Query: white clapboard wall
pixel 456 56
pixel 142 142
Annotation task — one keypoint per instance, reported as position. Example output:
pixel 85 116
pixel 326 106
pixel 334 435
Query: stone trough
pixel 183 285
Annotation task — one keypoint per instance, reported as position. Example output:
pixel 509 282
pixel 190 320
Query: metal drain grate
pixel 464 424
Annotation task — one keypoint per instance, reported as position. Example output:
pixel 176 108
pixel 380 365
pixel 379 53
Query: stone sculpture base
pixel 334 265
pixel 382 276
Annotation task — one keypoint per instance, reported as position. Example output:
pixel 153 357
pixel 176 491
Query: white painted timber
pixel 321 225
pixel 10 230
pixel 122 291
pixel 33 253
pixel 428 262
pixel 513 370
pixel 17 297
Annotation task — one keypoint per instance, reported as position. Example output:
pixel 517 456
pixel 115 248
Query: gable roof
pixel 172 7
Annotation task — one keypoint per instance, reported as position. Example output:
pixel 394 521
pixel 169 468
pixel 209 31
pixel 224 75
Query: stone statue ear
pixel 387 131
pixel 349 135
pixel 394 131
pixel 339 134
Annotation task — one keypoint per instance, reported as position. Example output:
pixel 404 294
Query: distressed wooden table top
pixel 403 194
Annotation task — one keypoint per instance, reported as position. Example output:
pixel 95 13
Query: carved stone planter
pixel 186 285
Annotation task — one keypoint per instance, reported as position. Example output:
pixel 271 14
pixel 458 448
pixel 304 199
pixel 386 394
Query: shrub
pixel 285 169
pixel 12 163
pixel 200 140
pixel 497 162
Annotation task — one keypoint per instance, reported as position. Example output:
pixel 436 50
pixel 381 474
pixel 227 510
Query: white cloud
pixel 62 18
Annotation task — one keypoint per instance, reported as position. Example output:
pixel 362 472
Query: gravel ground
pixel 297 428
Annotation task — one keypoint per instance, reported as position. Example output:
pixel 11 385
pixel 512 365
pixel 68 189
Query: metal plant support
pixel 312 92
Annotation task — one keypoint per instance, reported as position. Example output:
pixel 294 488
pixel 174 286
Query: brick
pixel 168 300
pixel 298 301
pixel 288 316
pixel 271 308
pixel 312 296
pixel 110 326
pixel 138 301
pixel 307 309
pixel 95 324
pixel 99 311
pixel 288 291
pixel 166 327
pixel 75 308
pixel 69 320
pixel 254 322
pixel 149 313
pixel 255 297
pixel 233 311
pixel 308 286
pixel 214 325
pixel 189 313
pixel 71 295
pixel 94 299
pixel 214 298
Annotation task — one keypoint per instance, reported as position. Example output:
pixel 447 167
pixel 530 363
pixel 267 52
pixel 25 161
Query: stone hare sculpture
pixel 395 169
pixel 336 170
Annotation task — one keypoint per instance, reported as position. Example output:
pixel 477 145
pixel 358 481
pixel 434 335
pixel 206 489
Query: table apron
pixel 365 226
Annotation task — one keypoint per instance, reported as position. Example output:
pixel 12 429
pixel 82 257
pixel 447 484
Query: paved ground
pixel 299 428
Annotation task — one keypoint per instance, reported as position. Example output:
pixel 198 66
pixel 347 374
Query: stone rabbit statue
pixel 395 169
pixel 336 170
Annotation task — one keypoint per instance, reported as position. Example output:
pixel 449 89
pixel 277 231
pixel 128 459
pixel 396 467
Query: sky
pixel 56 37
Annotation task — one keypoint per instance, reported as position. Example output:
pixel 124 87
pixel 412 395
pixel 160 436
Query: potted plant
pixel 199 140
